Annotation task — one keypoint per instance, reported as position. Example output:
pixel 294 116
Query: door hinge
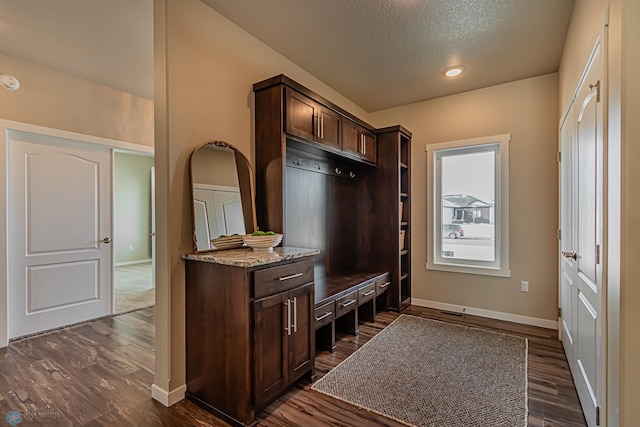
pixel 559 234
pixel 597 415
pixel 559 156
pixel 559 311
pixel 597 254
pixel 597 86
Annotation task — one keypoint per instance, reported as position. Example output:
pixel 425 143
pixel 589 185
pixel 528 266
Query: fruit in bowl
pixel 263 233
pixel 262 241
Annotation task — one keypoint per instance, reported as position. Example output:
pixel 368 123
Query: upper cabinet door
pixel 301 119
pixel 329 127
pixel 311 121
pixel 358 141
pixel 369 145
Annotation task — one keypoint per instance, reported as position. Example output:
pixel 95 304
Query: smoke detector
pixel 9 82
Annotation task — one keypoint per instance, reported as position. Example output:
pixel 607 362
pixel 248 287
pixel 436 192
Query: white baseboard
pixel 168 398
pixel 525 320
pixel 139 261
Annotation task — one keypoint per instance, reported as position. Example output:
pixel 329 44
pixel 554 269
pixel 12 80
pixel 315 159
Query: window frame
pixel 500 266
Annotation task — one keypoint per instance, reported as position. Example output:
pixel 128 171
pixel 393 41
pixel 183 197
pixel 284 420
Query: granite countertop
pixel 248 258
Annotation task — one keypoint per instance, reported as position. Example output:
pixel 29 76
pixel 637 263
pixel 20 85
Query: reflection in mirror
pixel 222 196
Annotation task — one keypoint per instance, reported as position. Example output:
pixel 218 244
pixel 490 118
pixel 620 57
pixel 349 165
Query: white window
pixel 468 206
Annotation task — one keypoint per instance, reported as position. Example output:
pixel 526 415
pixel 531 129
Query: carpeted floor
pixel 428 373
pixel 134 287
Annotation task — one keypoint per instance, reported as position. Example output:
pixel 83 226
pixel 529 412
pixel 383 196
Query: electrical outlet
pixel 524 286
pixel 130 247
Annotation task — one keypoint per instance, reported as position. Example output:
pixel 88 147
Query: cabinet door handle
pixel 369 292
pixel 321 126
pixel 292 276
pixel 324 316
pixel 385 285
pixel 295 315
pixel 364 145
pixel 347 303
pixel 288 327
pixel 316 119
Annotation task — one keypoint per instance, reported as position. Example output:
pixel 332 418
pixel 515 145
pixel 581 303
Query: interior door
pixel 59 258
pixel 582 290
pixel 568 294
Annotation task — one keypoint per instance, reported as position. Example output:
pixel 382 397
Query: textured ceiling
pixel 385 53
pixel 106 41
pixel 378 53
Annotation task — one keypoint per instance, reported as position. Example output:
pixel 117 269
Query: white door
pixel 568 294
pixel 59 227
pixel 582 289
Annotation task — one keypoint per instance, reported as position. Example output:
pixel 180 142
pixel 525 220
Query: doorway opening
pixel 133 220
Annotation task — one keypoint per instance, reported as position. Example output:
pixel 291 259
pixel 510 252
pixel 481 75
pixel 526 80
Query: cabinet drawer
pixel 325 314
pixel 346 303
pixel 382 285
pixel 273 280
pixel 366 293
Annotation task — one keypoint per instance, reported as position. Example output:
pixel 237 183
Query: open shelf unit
pixel 394 180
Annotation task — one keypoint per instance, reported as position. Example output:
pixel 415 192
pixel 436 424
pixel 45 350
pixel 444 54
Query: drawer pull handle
pixel 295 315
pixel 347 303
pixel 288 327
pixel 369 292
pixel 324 316
pixel 293 276
pixel 385 285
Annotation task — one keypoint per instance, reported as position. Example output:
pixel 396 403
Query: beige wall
pixel 527 110
pixel 58 100
pixel 630 297
pixel 210 66
pixel 630 290
pixel 586 21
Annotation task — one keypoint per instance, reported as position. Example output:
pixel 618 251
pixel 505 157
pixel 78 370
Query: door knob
pixel 570 254
pixel 106 240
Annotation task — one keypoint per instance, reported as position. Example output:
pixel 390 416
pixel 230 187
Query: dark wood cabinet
pixel 270 347
pixel 359 141
pixel 286 109
pixel 249 332
pixel 393 180
pixel 311 120
pixel 283 344
pixel 343 200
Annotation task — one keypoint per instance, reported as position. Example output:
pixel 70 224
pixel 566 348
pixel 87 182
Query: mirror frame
pixel 247 191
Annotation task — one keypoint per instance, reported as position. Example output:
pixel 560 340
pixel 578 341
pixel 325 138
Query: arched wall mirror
pixel 222 196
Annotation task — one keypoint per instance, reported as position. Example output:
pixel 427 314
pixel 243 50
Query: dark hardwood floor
pixel 100 373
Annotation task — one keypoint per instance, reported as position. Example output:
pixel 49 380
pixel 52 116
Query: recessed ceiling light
pixel 454 71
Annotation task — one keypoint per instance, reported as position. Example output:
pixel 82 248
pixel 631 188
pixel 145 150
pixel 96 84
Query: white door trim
pixel 6 126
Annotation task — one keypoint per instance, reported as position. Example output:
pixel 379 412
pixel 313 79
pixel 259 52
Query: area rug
pixel 423 372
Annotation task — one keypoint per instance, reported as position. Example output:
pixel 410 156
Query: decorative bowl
pixel 227 242
pixel 262 243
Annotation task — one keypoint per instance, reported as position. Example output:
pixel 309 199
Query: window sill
pixel 470 269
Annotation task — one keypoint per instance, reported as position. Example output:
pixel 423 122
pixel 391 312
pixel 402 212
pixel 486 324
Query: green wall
pixel 132 207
